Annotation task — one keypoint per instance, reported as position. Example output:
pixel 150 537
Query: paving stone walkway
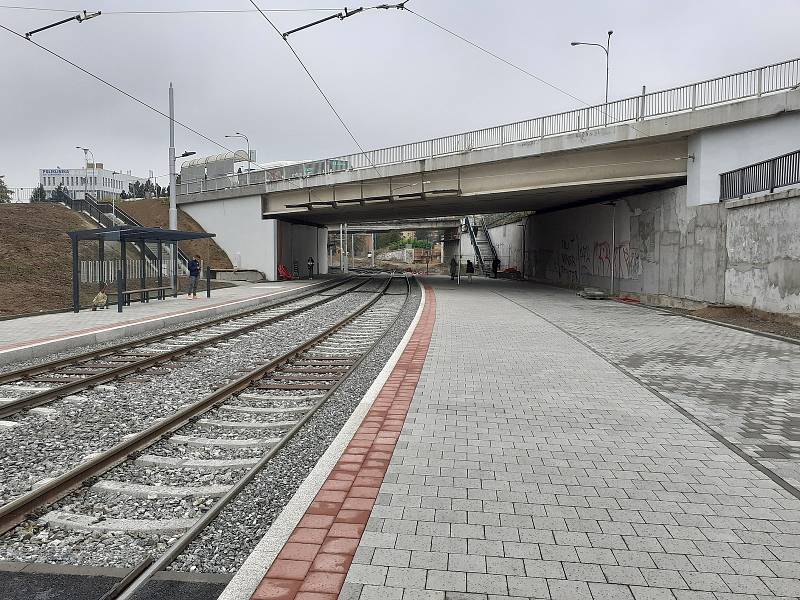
pixel 530 466
pixel 744 386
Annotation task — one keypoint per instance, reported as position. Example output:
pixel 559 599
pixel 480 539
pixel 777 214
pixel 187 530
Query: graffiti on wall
pixel 572 261
pixel 567 266
pixel 585 260
pixel 627 262
pixel 601 259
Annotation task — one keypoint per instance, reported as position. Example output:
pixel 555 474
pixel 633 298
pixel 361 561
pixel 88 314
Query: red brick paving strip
pixel 314 562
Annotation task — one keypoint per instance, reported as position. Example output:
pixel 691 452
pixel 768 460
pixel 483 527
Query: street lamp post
pixel 86 153
pixel 114 199
pixel 606 49
pixel 241 135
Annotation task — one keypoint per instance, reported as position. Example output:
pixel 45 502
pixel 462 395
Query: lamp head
pixel 610 32
pixel 575 44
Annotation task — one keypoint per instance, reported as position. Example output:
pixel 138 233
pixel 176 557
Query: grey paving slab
pixel 555 474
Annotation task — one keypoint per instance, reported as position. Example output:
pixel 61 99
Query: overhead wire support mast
pixel 342 16
pixel 339 15
pixel 80 18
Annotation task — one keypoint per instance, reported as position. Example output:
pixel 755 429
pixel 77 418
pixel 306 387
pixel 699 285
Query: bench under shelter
pixel 150 242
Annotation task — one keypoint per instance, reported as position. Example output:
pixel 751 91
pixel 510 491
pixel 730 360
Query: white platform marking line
pixel 252 571
pixel 166 316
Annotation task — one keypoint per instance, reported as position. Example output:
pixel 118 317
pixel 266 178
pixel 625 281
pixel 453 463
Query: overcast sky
pixel 393 77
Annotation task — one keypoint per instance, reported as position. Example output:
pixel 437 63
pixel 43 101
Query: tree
pixel 5 193
pixel 149 189
pixel 39 195
pixel 123 195
pixel 136 189
pixel 384 239
pixel 60 194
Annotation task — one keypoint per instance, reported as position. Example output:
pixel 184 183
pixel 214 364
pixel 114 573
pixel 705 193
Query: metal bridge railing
pixel 702 94
pixel 761 176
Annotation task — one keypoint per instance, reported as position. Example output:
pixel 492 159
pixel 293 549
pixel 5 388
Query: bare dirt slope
pixel 785 325
pixel 154 212
pixel 36 257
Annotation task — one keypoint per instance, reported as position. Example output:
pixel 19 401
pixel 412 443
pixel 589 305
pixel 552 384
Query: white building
pixel 103 183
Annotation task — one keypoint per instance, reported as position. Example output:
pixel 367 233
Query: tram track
pixel 271 403
pixel 56 379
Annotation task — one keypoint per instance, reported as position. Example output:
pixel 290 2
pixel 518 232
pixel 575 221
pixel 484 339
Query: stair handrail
pixel 489 239
pixel 478 258
pixel 136 223
pixel 90 206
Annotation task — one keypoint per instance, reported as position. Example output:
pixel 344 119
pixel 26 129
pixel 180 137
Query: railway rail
pixel 56 379
pixel 268 406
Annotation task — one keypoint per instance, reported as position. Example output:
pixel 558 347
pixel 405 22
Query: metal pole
pixel 249 167
pixel 160 269
pixel 373 249
pixel 120 289
pixel 208 282
pixel 142 250
pixel 174 269
pixel 101 256
pixel 85 176
pixel 607 49
pixel 346 250
pixel 341 250
pixel 122 281
pixel 76 290
pixel 173 207
pixel 94 175
pixel 613 242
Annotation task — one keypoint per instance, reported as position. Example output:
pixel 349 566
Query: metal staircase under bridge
pixel 485 251
pixel 105 214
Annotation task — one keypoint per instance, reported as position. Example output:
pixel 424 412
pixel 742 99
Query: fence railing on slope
pixel 105 271
pixel 763 176
pixel 702 94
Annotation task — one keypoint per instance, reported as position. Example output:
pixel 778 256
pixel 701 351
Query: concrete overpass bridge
pixel 437 223
pixel 683 137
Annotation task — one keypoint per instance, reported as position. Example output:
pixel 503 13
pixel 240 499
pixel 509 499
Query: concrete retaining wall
pixel 763 244
pixel 662 247
pixel 241 232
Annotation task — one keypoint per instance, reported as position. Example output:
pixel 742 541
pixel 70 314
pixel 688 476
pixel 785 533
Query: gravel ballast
pixel 44 445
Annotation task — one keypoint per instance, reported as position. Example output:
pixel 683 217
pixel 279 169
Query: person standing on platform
pixel 453 268
pixel 470 270
pixel 310 267
pixel 194 275
pixel 495 266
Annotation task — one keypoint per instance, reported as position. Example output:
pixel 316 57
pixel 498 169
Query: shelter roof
pixel 239 155
pixel 125 233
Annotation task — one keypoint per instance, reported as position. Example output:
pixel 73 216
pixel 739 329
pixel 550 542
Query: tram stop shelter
pixel 150 243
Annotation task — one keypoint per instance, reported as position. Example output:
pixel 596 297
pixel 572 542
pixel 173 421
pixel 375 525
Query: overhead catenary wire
pixel 124 93
pixel 319 88
pixel 169 12
pixel 114 87
pixel 603 110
